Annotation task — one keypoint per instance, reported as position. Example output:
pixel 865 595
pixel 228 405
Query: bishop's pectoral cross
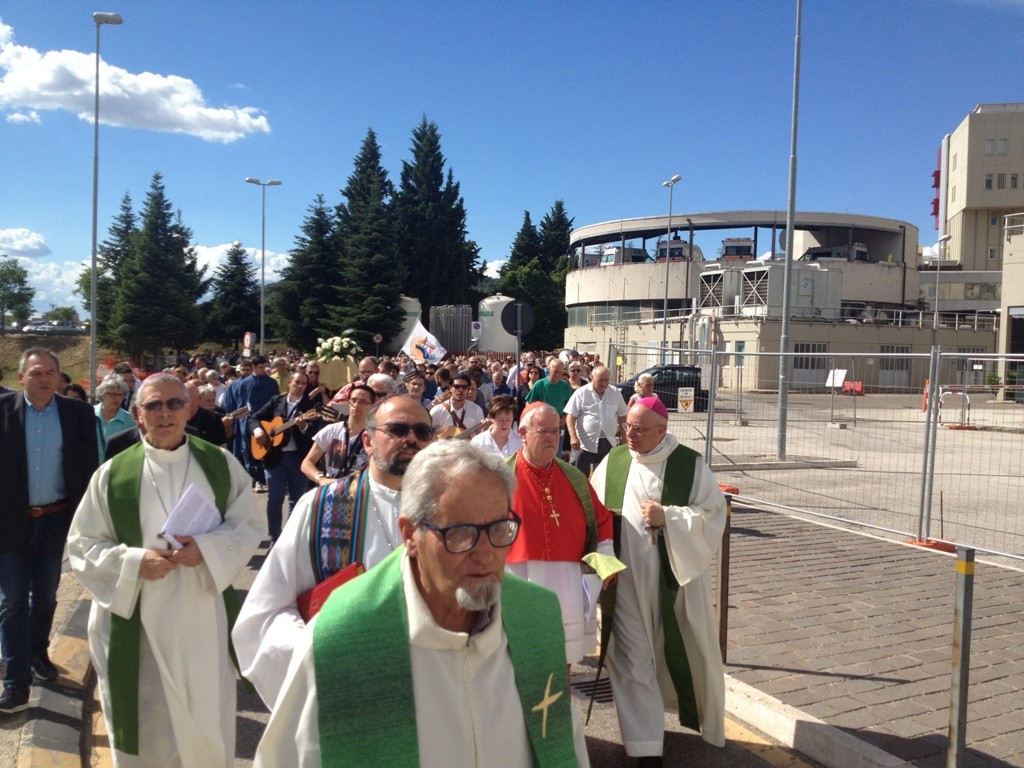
pixel 551 503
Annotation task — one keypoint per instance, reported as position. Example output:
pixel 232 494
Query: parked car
pixel 667 381
pixel 33 326
pixel 60 327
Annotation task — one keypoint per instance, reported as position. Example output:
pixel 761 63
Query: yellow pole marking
pixel 965 568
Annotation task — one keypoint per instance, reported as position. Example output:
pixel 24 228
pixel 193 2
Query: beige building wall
pixel 986 182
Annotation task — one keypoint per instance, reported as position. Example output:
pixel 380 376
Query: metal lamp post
pixel 671 183
pixel 263 249
pixel 99 19
pixel 938 268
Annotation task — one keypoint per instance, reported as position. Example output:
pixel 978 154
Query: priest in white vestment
pixel 469 704
pixel 186 682
pixel 269 624
pixel 692 533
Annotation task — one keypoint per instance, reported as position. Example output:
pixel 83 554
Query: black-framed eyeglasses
pixel 174 404
pixel 399 430
pixel 464 536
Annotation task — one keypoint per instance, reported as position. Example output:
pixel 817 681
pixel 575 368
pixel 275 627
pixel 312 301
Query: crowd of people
pixel 480 508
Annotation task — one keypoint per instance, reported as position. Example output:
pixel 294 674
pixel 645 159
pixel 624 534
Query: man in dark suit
pixel 48 452
pixel 283 463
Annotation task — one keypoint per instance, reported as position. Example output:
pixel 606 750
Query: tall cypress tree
pixel 554 231
pixel 235 306
pixel 371 285
pixel 526 246
pixel 156 297
pixel 431 237
pixel 308 293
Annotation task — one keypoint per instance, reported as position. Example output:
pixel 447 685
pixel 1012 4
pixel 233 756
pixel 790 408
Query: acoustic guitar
pixel 455 433
pixel 277 427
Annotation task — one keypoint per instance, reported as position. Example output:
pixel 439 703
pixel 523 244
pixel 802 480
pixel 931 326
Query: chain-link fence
pixel 867 439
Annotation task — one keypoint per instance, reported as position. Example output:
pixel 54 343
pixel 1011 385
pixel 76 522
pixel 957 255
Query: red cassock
pixel 543 536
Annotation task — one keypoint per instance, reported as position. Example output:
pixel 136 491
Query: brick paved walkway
pixel 857 632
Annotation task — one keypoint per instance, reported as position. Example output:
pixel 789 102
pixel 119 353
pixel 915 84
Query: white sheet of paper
pixel 194 513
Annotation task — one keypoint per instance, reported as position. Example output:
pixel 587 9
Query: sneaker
pixel 260 488
pixel 43 668
pixel 14 699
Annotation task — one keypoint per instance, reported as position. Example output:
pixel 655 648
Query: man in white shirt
pixel 595 417
pixel 435 658
pixel 458 413
pixel 312 547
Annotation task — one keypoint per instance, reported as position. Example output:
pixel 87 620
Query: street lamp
pixel 938 268
pixel 671 183
pixel 99 19
pixel 263 250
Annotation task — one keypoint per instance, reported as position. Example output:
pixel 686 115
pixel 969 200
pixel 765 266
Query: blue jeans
pixel 285 478
pixel 29 577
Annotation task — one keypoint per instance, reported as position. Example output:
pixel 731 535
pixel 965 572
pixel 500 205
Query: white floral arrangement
pixel 337 346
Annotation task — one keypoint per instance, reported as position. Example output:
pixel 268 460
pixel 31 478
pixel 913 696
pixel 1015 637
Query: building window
pixel 993 253
pixel 954 161
pixel 952 193
pixel 1001 181
pixel 993 221
pixel 810 356
pixel 1001 147
pixel 741 347
pixel 1013 181
pixel 988 181
pixel 990 146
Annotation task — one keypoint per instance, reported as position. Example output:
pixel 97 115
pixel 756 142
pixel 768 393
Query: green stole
pixel 678 482
pixel 123 491
pixel 581 486
pixel 366 708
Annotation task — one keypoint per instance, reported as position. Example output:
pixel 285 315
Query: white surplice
pixel 186 678
pixel 636 663
pixel 468 711
pixel 269 624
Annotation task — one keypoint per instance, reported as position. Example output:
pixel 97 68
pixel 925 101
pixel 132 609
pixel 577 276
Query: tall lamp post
pixel 99 19
pixel 263 250
pixel 671 183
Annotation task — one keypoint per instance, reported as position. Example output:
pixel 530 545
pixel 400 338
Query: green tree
pixel 307 292
pixel 534 285
pixel 430 231
pixel 15 293
pixel 371 285
pixel 63 313
pixel 526 246
pixel 111 256
pixel 235 305
pixel 554 231
pixel 156 297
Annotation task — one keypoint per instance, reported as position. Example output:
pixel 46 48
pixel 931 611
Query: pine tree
pixel 111 255
pixel 526 246
pixel 307 292
pixel 554 232
pixel 431 237
pixel 235 306
pixel 371 284
pixel 156 296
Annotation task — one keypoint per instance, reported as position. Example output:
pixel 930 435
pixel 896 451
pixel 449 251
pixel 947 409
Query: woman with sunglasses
pixel 341 445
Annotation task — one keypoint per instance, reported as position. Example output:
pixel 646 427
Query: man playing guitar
pixel 457 412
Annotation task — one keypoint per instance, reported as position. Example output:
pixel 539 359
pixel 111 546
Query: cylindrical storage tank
pixel 493 337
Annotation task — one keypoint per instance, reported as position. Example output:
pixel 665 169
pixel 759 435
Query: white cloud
pixel 491 268
pixel 211 256
pixel 24 117
pixel 54 283
pixel 66 80
pixel 23 242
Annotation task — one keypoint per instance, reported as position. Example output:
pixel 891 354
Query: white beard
pixel 478 597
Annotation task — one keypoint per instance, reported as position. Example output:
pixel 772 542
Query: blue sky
pixel 594 103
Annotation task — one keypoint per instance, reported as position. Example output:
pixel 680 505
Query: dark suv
pixel 667 381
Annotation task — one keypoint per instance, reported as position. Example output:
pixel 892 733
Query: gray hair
pixel 643 378
pixel 527 418
pixel 163 378
pixel 212 375
pixel 436 466
pixel 36 352
pixel 207 389
pixel 112 381
pixel 382 379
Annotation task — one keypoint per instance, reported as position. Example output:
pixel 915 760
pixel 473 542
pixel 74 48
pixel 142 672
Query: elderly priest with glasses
pixel 163 530
pixel 436 657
